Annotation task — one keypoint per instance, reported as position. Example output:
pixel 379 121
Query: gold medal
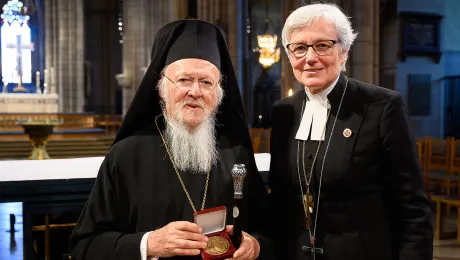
pixel 217 245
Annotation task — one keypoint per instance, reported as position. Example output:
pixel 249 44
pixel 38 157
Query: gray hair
pixel 306 15
pixel 220 91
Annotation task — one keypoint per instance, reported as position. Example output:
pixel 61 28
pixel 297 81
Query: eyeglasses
pixel 322 48
pixel 186 83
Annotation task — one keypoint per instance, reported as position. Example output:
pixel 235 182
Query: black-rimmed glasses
pixel 321 48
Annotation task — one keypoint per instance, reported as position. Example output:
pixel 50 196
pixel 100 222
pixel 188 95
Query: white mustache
pixel 199 103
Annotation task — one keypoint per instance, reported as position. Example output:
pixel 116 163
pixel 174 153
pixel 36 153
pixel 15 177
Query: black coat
pixel 372 202
pixel 137 190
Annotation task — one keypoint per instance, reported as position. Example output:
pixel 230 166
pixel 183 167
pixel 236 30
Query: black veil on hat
pixel 180 40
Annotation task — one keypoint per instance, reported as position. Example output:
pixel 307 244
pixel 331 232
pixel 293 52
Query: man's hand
pixel 249 248
pixel 179 238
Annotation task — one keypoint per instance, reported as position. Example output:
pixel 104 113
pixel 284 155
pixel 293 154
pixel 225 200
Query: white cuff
pixel 143 248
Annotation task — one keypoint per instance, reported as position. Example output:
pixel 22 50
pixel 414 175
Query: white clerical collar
pixel 315 114
pixel 321 96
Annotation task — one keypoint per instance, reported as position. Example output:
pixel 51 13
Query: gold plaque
pixel 217 245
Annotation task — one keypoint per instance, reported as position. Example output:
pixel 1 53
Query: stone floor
pixel 447 249
pixel 11 243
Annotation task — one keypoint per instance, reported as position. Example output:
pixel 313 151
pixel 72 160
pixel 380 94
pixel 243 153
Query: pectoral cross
pixel 309 204
pixel 312 249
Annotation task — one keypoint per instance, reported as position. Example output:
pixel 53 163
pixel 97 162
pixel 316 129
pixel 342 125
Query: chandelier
pixel 268 53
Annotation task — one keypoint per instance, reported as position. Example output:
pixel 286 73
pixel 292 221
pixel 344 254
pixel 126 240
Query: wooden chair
pixel 438 171
pixel 447 200
pixel 256 134
pixel 260 139
pixel 422 150
pixel 454 162
pixel 265 141
pixel 450 200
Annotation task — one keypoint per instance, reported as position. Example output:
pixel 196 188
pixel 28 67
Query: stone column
pixel 363 53
pixel 135 49
pixel 376 42
pixel 232 31
pixel 49 43
pixel 222 13
pixel 102 55
pixel 65 52
pixel 347 8
pixel 179 9
pixel 142 19
pixel 79 59
pixel 288 81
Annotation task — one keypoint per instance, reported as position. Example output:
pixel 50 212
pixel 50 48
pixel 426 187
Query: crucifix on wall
pixel 19 47
pixel 16 45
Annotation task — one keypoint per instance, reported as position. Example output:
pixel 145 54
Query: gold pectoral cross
pixel 309 204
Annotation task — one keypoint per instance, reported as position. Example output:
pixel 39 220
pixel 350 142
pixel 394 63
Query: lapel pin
pixel 347 132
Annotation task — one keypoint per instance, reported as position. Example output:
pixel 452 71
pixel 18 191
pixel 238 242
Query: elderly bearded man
pixel 173 156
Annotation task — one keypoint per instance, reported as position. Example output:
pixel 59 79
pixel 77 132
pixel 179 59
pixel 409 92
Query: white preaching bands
pixel 315 115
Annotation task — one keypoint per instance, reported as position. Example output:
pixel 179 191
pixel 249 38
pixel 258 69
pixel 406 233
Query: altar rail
pixel 57 149
pixel 72 124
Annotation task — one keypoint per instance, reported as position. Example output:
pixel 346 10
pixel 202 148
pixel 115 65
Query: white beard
pixel 195 151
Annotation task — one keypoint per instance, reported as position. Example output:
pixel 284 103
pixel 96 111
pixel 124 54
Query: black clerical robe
pixel 137 190
pixel 372 200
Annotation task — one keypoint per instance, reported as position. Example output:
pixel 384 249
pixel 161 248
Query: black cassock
pixel 137 190
pixel 373 203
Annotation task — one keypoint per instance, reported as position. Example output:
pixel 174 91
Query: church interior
pixel 70 69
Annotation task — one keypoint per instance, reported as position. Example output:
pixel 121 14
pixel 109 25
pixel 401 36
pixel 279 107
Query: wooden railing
pixel 70 121
pixel 14 149
pixel 111 123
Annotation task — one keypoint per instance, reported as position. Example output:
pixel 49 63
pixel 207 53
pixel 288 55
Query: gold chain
pixel 307 182
pixel 178 175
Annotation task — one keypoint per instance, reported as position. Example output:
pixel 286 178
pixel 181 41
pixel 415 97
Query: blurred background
pixel 70 69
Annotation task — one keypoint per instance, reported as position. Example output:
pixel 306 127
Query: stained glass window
pixel 16 43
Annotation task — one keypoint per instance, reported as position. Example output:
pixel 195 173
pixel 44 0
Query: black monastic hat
pixel 180 40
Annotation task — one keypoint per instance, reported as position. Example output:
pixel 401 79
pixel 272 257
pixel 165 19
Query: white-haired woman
pixel 344 176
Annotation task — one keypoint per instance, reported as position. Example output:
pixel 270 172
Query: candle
pixel 38 78
pixel 45 78
pixel 37 82
pixel 290 92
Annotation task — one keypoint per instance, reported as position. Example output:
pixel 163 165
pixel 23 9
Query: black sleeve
pixel 257 208
pixel 98 233
pixel 407 202
pixel 279 198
